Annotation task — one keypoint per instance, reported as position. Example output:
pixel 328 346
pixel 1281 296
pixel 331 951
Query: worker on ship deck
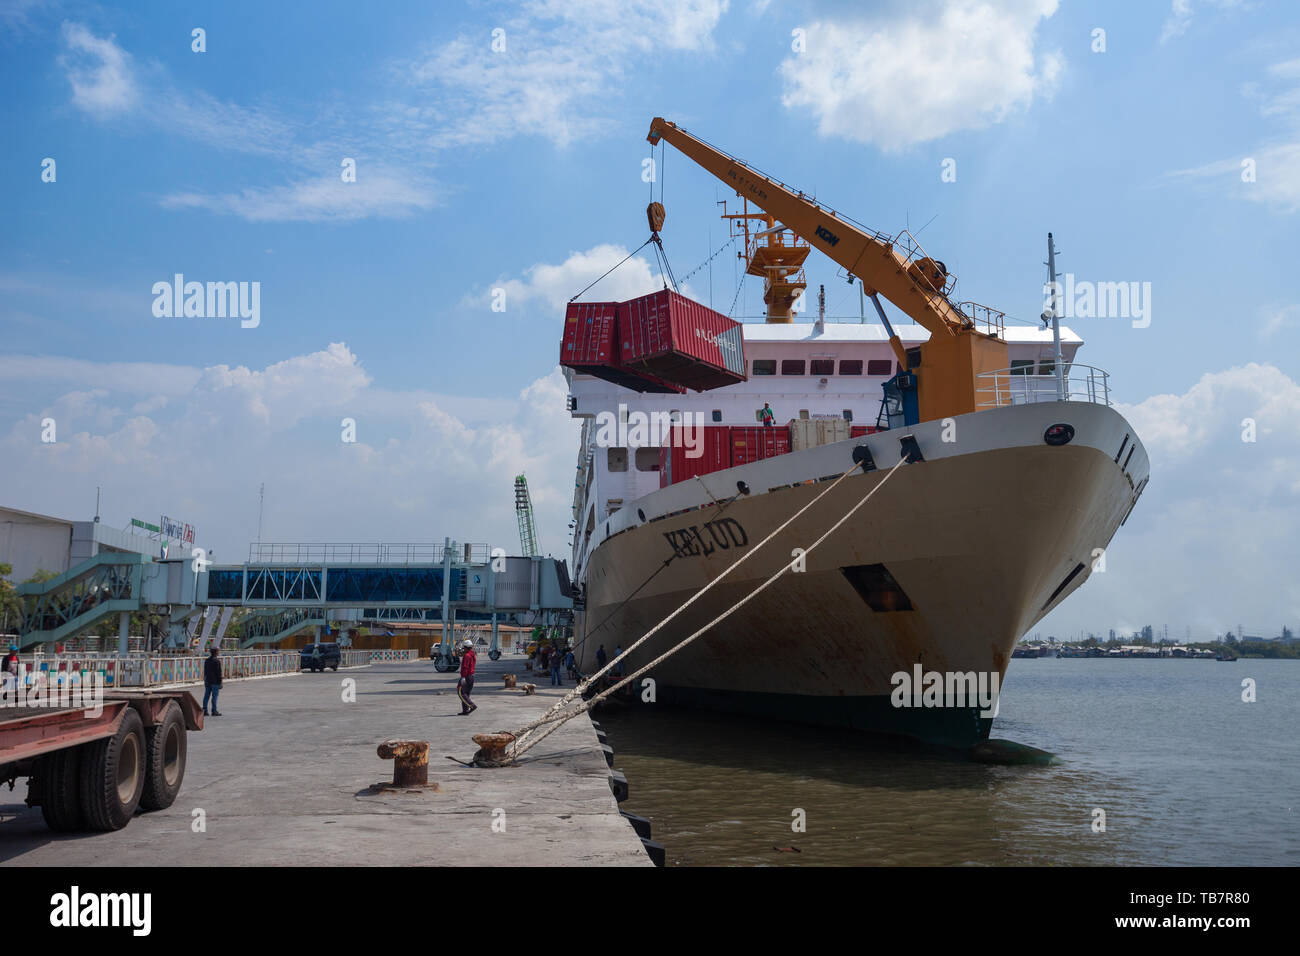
pixel 767 415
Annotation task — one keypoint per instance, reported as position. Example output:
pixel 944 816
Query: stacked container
pixel 713 454
pixel 754 443
pixel 668 336
pixel 812 432
pixel 590 345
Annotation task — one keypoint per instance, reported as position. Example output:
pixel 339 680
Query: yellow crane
pixel 962 344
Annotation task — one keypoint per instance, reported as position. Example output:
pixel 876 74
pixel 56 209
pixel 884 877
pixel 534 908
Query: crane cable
pixel 523 743
pixel 619 263
pixel 722 509
pixel 522 746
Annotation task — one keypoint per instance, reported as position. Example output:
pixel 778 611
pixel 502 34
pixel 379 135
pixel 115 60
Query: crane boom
pixel 524 516
pixel 893 267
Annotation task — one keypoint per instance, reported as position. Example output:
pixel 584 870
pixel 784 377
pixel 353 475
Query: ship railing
pixel 906 245
pixel 1013 386
pixel 985 318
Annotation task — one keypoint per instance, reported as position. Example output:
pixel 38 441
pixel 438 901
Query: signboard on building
pixel 177 529
pixel 166 528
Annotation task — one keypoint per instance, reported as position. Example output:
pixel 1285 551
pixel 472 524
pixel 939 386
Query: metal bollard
pixel 410 761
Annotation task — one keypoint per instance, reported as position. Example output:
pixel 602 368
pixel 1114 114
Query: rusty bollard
pixel 510 681
pixel 410 761
pixel 492 749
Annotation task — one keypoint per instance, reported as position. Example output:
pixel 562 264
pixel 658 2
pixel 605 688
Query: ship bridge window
pixel 879 366
pixel 848 414
pixel 792 366
pixel 1047 368
pixel 1022 366
pixel 877 587
pixel 616 459
pixel 647 459
pixel 717 414
pixel 764 367
pixel 851 367
pixel 822 366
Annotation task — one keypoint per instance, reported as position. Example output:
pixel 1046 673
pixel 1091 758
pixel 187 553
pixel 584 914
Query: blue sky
pixel 521 169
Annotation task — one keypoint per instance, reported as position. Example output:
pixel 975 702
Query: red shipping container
pixel 754 443
pixel 590 334
pixel 857 431
pixel 590 346
pixel 669 336
pixel 712 454
pixel 776 441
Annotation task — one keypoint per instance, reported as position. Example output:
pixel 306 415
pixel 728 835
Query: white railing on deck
pixel 1010 386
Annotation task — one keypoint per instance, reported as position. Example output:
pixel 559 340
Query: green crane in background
pixel 524 514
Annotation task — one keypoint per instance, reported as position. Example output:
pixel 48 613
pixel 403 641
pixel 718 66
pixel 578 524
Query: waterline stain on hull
pixel 958 728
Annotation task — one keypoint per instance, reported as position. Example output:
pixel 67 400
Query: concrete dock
pixel 284 778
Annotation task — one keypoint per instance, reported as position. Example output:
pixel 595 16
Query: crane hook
pixel 655 214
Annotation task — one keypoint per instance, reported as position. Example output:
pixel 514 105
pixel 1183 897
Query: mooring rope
pixel 523 743
pixel 571 695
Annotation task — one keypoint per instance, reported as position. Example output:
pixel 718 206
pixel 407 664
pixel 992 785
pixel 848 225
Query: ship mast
pixel 1055 314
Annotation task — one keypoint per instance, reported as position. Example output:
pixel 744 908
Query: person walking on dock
pixel 211 681
pixel 555 668
pixel 767 415
pixel 618 661
pixel 601 657
pixel 465 686
pixel 570 664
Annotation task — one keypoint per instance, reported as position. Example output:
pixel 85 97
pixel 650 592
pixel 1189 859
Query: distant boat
pixel 1224 656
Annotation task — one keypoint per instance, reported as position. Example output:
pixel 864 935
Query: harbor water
pixel 1185 771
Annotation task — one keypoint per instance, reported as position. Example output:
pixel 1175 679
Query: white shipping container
pixel 811 432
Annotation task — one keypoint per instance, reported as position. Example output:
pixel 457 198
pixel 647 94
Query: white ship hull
pixel 983 538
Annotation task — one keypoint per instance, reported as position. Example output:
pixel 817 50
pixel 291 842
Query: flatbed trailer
pixel 91 771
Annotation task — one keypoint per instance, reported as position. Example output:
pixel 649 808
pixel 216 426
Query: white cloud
pixel 1174 427
pixel 907 78
pixel 425 465
pixel 1269 172
pixel 105 83
pixel 1277 318
pixel 559 73
pixel 131 378
pixel 327 199
pixel 552 286
pixel 1180 16
pixel 99 71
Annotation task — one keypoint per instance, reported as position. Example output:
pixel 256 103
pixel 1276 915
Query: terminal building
pixel 34 542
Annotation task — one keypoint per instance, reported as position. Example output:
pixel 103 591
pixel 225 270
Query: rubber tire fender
pixel 159 793
pixel 101 804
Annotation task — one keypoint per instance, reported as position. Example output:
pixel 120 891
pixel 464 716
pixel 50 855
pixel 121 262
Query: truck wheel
pixel 60 775
pixel 112 775
pixel 494 654
pixel 165 750
pixel 441 664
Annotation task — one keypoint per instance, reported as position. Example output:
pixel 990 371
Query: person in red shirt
pixel 465 686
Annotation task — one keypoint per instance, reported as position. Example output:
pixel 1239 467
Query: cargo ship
pixel 701 436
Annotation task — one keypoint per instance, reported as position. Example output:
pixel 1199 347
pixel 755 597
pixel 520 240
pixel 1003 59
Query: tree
pixel 9 605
